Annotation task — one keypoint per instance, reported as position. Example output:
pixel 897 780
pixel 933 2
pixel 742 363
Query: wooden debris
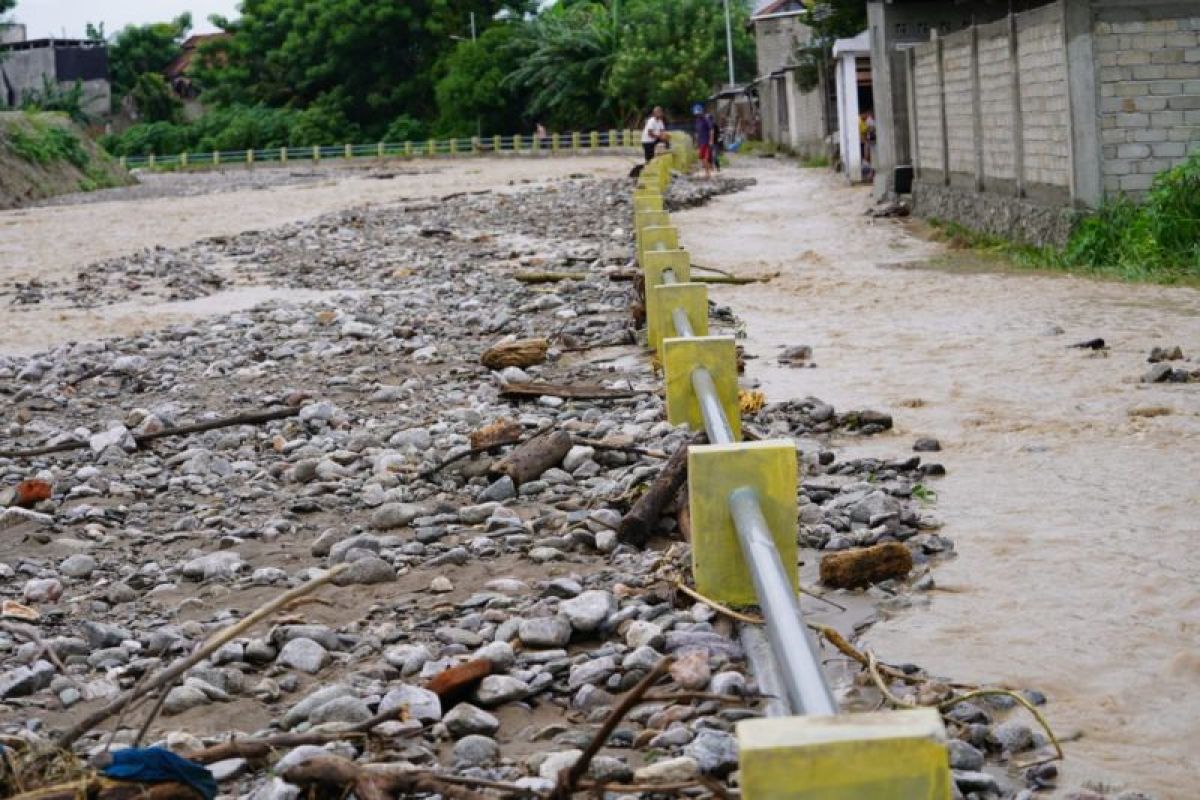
pixel 570 392
pixel 30 492
pixel 639 523
pixel 335 776
pixel 517 353
pixel 549 277
pixel 500 432
pixel 456 681
pixel 528 461
pixel 852 569
pixel 736 280
pixel 97 787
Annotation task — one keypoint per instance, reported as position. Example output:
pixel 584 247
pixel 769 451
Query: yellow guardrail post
pixel 316 152
pixel 250 156
pixel 453 146
pixel 498 143
pixel 432 146
pixel 594 140
pixel 124 162
pixel 183 160
pixel 575 142
pixel 380 150
pixel 654 264
pixel 283 154
pixel 408 148
pixel 151 161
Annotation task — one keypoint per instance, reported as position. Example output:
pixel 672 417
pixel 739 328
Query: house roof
pixel 190 47
pixel 775 8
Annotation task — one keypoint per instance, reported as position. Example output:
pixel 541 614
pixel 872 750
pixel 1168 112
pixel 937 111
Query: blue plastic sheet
pixel 155 765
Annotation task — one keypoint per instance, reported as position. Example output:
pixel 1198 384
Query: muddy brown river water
pixel 1073 488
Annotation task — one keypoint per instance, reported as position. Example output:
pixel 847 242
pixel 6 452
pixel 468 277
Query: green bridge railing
pixel 552 144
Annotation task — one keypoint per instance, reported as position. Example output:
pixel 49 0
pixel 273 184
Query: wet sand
pixel 1072 487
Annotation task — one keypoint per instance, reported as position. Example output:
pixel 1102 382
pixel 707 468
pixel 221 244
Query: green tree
pixel 375 60
pixel 473 94
pixel 673 53
pixel 7 5
pixel 154 99
pixel 138 49
pixel 829 20
pixel 571 49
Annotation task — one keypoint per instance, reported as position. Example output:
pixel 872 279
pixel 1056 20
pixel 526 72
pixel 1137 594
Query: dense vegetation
pixel 302 72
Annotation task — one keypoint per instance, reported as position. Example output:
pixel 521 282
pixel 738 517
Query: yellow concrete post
pixel 718 355
pixel 714 471
pixel 691 297
pixel 575 142
pixel 649 219
pixel 534 144
pixel 151 161
pixel 183 160
pixel 216 158
pixel 379 150
pixel 408 148
pixel 250 156
pixel 283 154
pixel 454 146
pixel 654 263
pixel 316 152
pixel 432 146
pixel 124 162
pixel 497 143
pixel 595 142
pixel 647 201
pixel 662 237
pixel 554 143
pixel 883 755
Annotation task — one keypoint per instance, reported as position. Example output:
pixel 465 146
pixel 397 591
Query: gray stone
pixel 500 653
pixel 496 690
pixel 971 781
pixel 342 710
pixel 228 769
pixel 422 704
pixel 1012 737
pixel 594 671
pixel 964 757
pixel 927 444
pixel 366 571
pixel 728 683
pixel 875 505
pixel 641 633
pixel 408 658
pixel 304 655
pixel 24 681
pixel 545 632
pixel 576 457
pixel 297 756
pixel 395 515
pixel 607 769
pixel 465 719
pixel 502 489
pixel 184 698
pixel 214 566
pixel 716 752
pixel 554 763
pixel 476 751
pixel 101 634
pixel 80 565
pixel 589 610
pixel 672 770
pixel 276 789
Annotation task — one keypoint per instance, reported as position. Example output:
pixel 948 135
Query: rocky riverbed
pixel 120 558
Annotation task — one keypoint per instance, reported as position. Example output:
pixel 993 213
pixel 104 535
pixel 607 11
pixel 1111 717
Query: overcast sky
pixel 50 17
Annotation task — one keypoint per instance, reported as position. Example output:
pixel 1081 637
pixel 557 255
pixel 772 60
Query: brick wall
pixel 960 111
pixel 928 107
pixel 995 103
pixel 1045 107
pixel 1149 86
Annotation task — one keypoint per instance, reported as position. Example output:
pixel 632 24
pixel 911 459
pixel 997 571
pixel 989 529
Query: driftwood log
pixel 98 787
pixel 549 277
pixel 517 353
pixel 528 461
pixel 567 391
pixel 639 523
pixel 496 434
pixel 335 777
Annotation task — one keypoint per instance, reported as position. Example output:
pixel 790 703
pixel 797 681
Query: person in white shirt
pixel 653 133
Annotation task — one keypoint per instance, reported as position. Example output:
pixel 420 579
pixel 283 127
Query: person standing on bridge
pixel 653 132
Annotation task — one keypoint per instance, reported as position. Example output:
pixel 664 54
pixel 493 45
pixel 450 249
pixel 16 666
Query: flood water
pixel 1073 489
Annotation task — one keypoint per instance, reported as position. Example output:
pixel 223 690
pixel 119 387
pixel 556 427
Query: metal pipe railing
pixel 792 646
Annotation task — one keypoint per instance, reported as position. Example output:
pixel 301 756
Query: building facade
pixel 27 67
pixel 796 119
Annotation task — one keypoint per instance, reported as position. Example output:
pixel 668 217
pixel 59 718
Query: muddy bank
pixel 1071 487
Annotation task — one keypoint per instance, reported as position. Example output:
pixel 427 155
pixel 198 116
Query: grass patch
pixel 42 142
pixel 815 161
pixel 1156 241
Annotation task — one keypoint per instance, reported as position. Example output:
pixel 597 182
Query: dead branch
pixel 97 787
pixel 637 525
pixel 333 776
pixel 528 461
pixel 568 779
pixel 549 277
pixel 211 645
pixel 578 392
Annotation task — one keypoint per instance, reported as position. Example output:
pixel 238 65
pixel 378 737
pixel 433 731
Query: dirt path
pixel 1072 488
pixel 52 243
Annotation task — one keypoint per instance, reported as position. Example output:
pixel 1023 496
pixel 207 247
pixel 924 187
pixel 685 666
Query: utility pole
pixel 729 44
pixel 472 26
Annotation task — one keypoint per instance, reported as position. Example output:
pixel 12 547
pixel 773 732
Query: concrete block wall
pixel 960 106
pixel 928 106
pixel 1149 91
pixel 996 104
pixel 1045 103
